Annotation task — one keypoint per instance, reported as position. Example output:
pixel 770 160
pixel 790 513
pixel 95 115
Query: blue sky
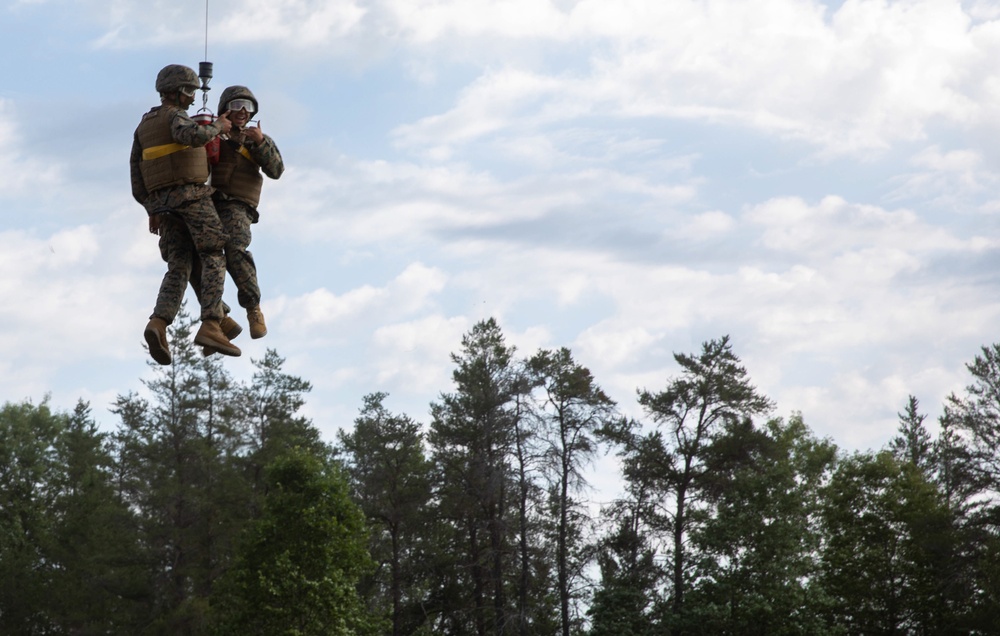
pixel 627 179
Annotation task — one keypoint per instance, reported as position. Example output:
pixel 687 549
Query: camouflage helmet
pixel 173 77
pixel 237 92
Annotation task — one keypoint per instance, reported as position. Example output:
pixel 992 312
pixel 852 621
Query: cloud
pixel 573 168
pixel 20 174
pixel 947 178
pixel 835 227
pixel 130 24
pixel 851 81
pixel 854 81
pixel 320 310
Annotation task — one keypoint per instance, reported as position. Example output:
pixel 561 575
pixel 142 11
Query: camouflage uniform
pixel 237 215
pixel 237 182
pixel 189 225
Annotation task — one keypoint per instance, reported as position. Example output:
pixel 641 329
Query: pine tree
pixel 391 481
pixel 573 408
pixel 912 442
pixel 177 471
pixel 712 391
pixel 472 434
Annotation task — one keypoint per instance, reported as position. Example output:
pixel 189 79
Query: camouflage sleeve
pixel 186 131
pixel 266 155
pixel 139 191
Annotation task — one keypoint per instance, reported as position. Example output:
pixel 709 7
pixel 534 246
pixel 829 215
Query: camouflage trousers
pixel 192 233
pixel 236 219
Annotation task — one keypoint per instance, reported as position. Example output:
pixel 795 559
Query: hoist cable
pixel 204 82
pixel 206 29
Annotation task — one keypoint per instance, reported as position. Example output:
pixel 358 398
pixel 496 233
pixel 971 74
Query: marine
pixel 244 153
pixel 169 169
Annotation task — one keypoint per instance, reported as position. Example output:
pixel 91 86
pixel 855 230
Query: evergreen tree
pixel 391 481
pixel 623 602
pixel 471 435
pixel 912 442
pixel 178 472
pixel 573 408
pixel 968 473
pixel 977 416
pixel 96 586
pixel 269 409
pixel 712 392
pixel 631 560
pixel 535 610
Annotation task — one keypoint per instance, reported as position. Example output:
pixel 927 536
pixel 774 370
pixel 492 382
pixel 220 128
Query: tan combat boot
pixel 230 327
pixel 210 335
pixel 256 321
pixel 156 337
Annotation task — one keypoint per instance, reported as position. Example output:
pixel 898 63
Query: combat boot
pixel 256 321
pixel 210 335
pixel 230 327
pixel 156 337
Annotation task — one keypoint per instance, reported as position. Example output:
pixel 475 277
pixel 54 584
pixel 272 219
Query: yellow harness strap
pixel 156 152
pixel 246 153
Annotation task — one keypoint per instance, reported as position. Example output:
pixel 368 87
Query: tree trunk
pixel 396 584
pixel 679 521
pixel 478 586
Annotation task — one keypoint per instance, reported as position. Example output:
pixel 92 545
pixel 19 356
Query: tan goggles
pixel 188 90
pixel 241 104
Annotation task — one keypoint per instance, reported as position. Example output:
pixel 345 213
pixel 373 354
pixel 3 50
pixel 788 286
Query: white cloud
pixel 574 177
pixel 20 174
pixel 424 21
pixel 412 291
pixel 855 81
pixel 708 224
pixel 948 178
pixel 131 24
pixel 412 354
pixel 835 226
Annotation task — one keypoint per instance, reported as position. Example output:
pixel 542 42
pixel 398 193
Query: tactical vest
pixel 237 174
pixel 165 162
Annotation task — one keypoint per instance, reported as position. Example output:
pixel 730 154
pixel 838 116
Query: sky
pixel 628 179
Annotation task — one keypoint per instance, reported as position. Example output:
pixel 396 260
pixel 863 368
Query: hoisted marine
pixel 243 154
pixel 169 168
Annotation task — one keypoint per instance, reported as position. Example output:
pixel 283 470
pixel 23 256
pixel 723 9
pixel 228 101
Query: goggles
pixel 188 90
pixel 241 104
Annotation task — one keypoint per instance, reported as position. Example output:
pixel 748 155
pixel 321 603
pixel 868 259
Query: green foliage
pixel 295 572
pixel 472 433
pixel 95 539
pixel 391 481
pixel 629 575
pixel 712 394
pixel 572 409
pixel 913 441
pixel 28 472
pixel 758 550
pixel 887 534
pixel 67 542
pixel 213 506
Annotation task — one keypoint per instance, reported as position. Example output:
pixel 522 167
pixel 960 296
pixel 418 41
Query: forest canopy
pixel 212 506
